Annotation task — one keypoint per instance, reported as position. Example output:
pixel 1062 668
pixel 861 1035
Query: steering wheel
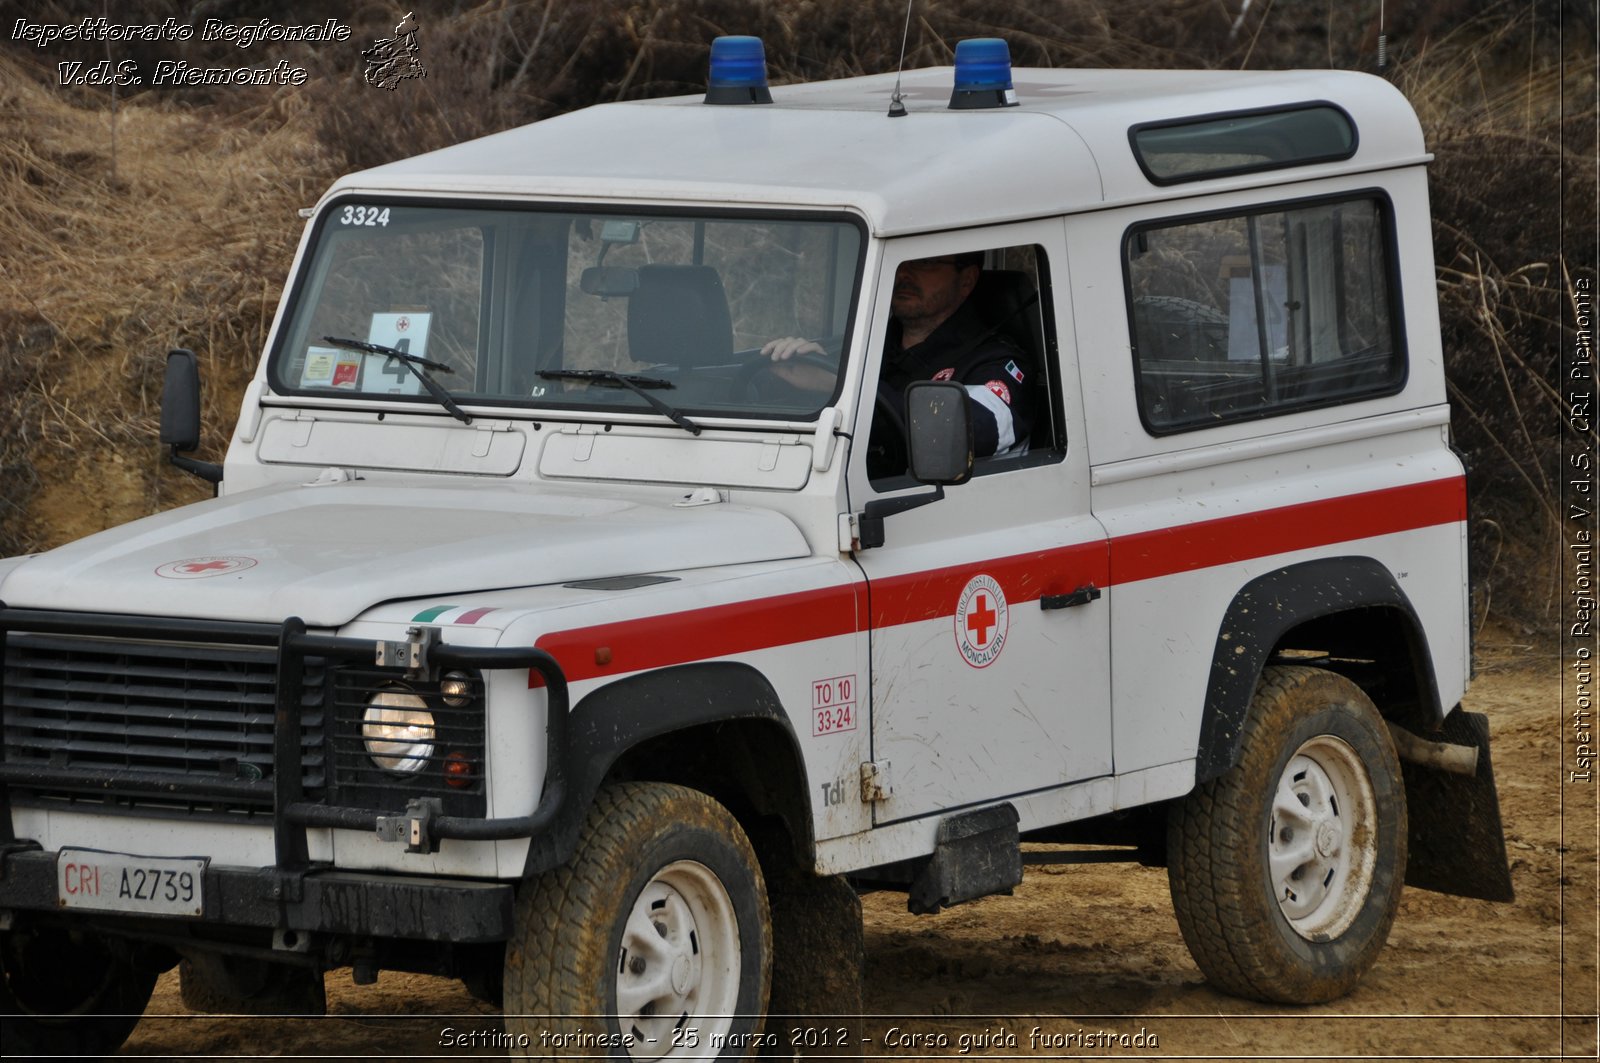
pixel 745 386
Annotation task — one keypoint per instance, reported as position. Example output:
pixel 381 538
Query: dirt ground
pixel 1087 961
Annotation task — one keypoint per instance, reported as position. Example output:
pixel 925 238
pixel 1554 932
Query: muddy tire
pixel 1286 871
pixel 67 995
pixel 653 942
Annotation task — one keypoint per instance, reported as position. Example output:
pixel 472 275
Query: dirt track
pixel 1086 955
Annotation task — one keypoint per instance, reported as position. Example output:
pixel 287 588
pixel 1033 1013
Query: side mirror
pixel 180 402
pixel 939 432
pixel 180 415
pixel 939 446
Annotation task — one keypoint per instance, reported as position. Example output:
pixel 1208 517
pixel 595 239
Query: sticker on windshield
pixel 329 367
pixel 406 332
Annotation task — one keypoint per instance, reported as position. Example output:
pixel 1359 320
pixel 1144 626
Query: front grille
pixel 190 713
pixel 458 736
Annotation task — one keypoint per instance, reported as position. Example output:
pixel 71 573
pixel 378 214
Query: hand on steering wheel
pixel 787 347
pixel 807 365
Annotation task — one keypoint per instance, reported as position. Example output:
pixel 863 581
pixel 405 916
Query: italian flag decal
pixel 451 614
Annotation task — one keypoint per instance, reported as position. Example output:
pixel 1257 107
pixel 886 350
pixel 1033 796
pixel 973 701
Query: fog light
pixel 455 689
pixel 398 729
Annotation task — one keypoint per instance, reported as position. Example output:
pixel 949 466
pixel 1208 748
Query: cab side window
pixel 1255 314
pixel 998 342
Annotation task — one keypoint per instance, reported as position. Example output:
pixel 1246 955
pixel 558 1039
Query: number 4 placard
pixel 404 332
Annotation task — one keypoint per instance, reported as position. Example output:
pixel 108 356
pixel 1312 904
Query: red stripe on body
pixel 696 634
pixel 743 627
pixel 1024 577
pixel 1207 543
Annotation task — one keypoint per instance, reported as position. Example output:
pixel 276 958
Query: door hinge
pixel 849 538
pixel 875 782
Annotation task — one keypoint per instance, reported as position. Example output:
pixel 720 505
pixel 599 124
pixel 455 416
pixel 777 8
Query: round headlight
pixel 398 729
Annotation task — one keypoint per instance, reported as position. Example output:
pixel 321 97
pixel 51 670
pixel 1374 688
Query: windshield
pixel 512 300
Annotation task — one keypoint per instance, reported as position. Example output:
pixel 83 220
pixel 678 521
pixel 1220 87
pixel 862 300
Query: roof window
pixel 1221 145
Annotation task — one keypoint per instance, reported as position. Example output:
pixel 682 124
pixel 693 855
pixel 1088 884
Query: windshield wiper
pixel 413 362
pixel 635 384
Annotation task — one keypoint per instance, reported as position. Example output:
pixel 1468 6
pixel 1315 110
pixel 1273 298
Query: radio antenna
pixel 1383 41
pixel 897 107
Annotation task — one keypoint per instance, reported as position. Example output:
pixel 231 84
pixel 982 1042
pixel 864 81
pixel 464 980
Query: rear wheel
pixel 67 994
pixel 1286 871
pixel 653 942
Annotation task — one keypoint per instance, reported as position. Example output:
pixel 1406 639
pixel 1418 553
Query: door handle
pixel 1082 596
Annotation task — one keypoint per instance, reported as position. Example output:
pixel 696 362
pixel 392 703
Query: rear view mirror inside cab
pixel 609 281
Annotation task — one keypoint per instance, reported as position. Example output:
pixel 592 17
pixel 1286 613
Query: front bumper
pixel 340 903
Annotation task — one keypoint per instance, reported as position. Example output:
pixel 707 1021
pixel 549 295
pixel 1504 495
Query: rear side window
pixel 1254 314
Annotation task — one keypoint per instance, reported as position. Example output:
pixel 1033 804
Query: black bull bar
pixel 292 813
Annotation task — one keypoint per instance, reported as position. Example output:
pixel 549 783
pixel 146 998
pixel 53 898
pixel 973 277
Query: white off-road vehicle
pixel 544 634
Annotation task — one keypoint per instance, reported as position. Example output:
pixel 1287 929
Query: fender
pixel 1270 606
pixel 608 722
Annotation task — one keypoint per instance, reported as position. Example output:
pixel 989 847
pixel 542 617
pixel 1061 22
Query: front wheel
pixel 1286 871
pixel 67 994
pixel 653 942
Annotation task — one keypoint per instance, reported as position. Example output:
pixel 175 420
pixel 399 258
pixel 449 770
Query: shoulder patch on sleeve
pixel 945 374
pixel 999 388
pixel 1014 372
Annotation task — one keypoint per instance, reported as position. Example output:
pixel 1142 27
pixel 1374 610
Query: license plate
pixel 122 882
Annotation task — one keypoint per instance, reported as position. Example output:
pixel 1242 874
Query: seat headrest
pixel 1005 297
pixel 679 316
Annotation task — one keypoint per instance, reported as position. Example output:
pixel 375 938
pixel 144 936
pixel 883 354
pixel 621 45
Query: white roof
pixel 831 144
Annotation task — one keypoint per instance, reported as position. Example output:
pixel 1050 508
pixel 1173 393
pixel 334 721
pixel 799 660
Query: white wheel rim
pixel 1324 841
pixel 678 965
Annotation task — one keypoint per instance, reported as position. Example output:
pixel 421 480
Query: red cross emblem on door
pixel 982 620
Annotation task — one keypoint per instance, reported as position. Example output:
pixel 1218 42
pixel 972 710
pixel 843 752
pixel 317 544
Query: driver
pixel 936 334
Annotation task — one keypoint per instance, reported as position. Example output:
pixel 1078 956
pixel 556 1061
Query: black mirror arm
pixel 209 471
pixel 870 523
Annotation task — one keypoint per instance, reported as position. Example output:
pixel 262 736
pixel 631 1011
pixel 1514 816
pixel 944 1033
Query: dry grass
pixel 1512 171
pixel 169 221
pixel 121 235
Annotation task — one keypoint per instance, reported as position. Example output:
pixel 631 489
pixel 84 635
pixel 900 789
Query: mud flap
pixel 1456 842
pixel 977 854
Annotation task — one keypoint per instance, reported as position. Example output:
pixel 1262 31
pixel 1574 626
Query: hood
pixel 326 553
